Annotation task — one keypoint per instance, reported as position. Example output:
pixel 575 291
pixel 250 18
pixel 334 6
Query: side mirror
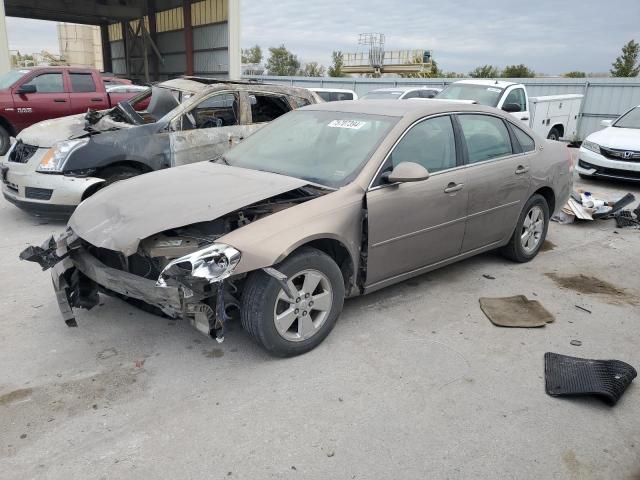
pixel 606 123
pixel 24 89
pixel 511 108
pixel 406 172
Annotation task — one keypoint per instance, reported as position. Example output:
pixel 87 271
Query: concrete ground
pixel 414 382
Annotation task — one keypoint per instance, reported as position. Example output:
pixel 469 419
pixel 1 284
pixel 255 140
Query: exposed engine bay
pixel 168 274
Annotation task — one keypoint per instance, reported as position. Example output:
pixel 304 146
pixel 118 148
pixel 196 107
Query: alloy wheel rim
pixel 532 228
pixel 300 318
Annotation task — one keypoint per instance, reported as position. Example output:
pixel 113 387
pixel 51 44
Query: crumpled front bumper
pixel 78 276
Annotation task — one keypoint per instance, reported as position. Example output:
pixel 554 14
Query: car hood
pixel 120 216
pixel 47 133
pixel 618 138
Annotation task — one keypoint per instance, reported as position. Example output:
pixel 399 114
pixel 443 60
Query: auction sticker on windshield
pixel 352 124
pixel 495 90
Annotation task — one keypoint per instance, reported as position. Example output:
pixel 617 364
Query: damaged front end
pixel 181 273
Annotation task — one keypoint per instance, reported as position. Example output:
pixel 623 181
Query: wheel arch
pixel 6 124
pixel 549 195
pixel 560 128
pixel 138 165
pixel 334 248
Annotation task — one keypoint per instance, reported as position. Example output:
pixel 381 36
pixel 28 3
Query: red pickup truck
pixel 31 95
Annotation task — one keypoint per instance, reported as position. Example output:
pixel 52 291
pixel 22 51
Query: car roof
pixel 395 108
pixel 487 83
pixel 405 88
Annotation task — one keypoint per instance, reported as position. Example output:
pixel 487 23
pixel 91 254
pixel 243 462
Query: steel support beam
pixel 107 64
pixel 234 39
pixel 188 36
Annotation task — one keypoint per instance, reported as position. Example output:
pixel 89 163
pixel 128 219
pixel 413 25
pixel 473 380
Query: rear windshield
pixel 483 94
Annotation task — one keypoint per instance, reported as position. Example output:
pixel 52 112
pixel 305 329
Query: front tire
pixel 530 232
pixel 291 326
pixel 5 140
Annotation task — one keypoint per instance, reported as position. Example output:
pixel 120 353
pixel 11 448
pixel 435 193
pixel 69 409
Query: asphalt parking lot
pixel 414 382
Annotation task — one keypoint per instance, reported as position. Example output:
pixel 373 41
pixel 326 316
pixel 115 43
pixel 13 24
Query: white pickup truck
pixel 554 117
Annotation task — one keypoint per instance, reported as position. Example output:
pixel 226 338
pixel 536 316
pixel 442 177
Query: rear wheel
pixel 5 140
pixel 285 325
pixel 554 134
pixel 530 231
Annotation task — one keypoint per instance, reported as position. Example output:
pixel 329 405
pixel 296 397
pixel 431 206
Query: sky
pixel 549 36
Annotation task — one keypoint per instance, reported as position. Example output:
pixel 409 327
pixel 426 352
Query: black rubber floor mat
pixel 607 379
pixel 616 207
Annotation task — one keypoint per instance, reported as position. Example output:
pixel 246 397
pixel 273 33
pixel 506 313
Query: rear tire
pixel 287 328
pixel 5 140
pixel 554 134
pixel 529 234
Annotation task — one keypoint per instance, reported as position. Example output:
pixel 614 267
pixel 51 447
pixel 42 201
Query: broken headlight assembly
pixel 594 147
pixel 213 263
pixel 55 158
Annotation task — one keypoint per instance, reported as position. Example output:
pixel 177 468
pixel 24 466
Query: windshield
pixel 382 95
pixel 631 119
pixel 484 95
pixel 329 148
pixel 11 77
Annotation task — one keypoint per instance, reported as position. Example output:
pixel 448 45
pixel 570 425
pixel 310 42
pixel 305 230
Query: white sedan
pixel 613 152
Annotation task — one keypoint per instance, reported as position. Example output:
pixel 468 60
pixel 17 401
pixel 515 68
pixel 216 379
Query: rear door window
pixel 265 108
pixel 486 137
pixel 82 83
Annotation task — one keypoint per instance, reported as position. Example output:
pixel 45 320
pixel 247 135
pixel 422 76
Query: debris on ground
pixel 583 205
pixel 489 277
pixel 517 311
pixel 576 343
pixel 583 309
pixel 573 376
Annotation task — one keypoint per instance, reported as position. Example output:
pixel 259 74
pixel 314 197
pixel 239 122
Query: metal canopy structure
pixel 149 40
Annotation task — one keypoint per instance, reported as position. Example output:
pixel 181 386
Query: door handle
pixel 60 100
pixel 524 119
pixel 96 99
pixel 453 187
pixel 521 170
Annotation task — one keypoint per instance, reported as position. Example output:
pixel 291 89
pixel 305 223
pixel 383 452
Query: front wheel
pixel 291 325
pixel 530 231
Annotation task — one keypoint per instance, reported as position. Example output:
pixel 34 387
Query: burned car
pixel 330 201
pixel 56 164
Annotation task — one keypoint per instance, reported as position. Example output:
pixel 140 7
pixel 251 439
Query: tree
pixel 517 71
pixel 282 62
pixel 252 55
pixel 312 69
pixel 626 65
pixel 335 70
pixel 575 74
pixel 485 71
